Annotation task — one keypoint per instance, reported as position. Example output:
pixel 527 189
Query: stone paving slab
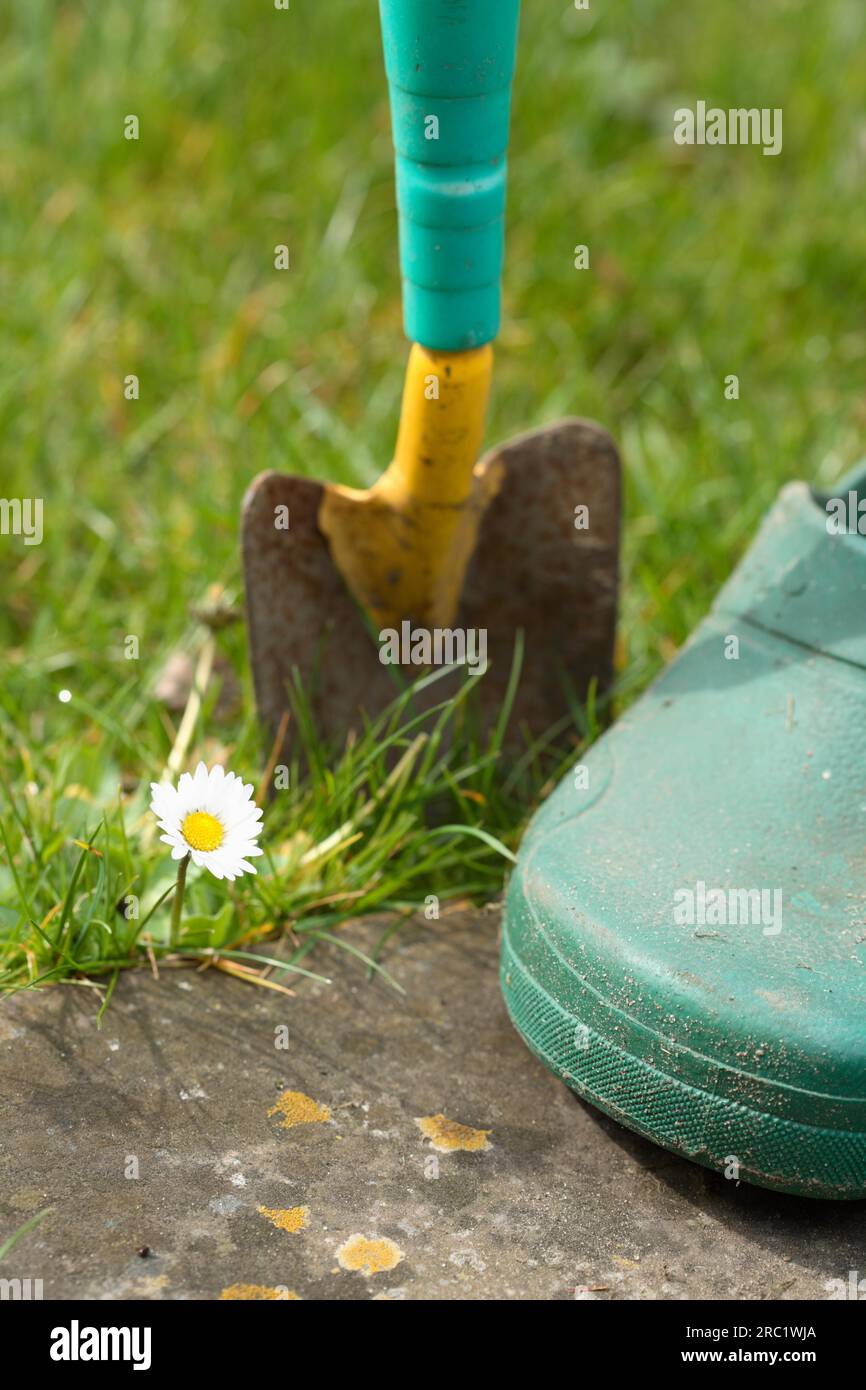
pixel 184 1127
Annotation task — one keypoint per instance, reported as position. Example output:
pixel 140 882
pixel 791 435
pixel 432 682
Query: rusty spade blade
pixel 443 548
pixel 541 565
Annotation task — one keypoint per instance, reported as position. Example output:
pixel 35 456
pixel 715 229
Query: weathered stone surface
pixel 182 1076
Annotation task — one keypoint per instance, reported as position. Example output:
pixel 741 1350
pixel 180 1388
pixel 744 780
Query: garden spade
pixel 449 554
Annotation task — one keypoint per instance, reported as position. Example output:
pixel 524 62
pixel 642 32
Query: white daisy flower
pixel 212 817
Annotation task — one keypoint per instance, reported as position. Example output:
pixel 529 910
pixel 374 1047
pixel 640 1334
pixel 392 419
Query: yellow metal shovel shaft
pixel 403 545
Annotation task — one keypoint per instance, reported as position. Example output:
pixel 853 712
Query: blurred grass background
pixel 259 127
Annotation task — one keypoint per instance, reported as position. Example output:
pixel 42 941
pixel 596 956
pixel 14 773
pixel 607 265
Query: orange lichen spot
pixel 289 1219
pixel 259 1291
pixel 149 1288
pixel 298 1109
pixel 369 1256
pixel 446 1136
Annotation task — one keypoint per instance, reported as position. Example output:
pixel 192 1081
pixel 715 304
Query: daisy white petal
pixel 210 816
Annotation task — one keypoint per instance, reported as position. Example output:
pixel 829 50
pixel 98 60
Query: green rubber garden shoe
pixel 685 930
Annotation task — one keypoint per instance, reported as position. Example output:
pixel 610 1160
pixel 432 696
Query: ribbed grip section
pixel 450 64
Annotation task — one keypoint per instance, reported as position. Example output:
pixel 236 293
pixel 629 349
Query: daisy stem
pixel 177 904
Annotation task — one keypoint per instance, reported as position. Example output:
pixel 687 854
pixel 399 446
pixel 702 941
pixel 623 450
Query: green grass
pixel 399 820
pixel 23 1231
pixel 155 257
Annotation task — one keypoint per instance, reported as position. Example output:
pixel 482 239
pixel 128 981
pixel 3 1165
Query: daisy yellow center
pixel 202 831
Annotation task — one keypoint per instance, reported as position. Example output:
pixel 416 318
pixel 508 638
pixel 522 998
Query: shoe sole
pixel 769 1150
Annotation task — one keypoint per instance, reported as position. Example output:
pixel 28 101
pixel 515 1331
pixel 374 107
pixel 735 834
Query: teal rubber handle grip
pixel 450 65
